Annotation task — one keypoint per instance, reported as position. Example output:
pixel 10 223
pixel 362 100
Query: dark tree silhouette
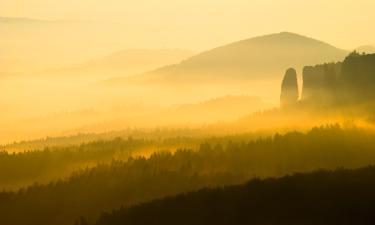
pixel 342 197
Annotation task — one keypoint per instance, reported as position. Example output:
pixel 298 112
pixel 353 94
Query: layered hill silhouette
pixel 255 58
pixel 205 112
pixel 19 20
pixel 126 62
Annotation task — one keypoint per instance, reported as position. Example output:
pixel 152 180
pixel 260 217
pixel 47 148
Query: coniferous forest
pixel 322 197
pixel 123 182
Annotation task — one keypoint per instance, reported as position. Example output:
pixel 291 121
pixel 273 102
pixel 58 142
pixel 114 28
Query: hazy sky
pixel 200 24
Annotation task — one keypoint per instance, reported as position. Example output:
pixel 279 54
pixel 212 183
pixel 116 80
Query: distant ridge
pixel 20 20
pixel 126 62
pixel 16 20
pixel 260 57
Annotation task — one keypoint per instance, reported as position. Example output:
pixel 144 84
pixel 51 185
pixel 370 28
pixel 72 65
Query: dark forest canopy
pixel 217 162
pixel 358 76
pixel 82 138
pixel 17 169
pixel 339 197
pixel 60 158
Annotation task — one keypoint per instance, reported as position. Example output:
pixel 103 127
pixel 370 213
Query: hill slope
pixel 340 197
pixel 216 162
pixel 260 57
pixel 127 62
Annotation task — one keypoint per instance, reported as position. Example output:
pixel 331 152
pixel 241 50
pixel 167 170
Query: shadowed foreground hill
pixel 339 197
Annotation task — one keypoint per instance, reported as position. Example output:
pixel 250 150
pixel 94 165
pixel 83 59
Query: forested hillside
pixel 217 162
pixel 335 198
pixel 59 157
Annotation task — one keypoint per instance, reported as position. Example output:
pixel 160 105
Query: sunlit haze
pixel 96 62
pixel 187 112
pixel 202 24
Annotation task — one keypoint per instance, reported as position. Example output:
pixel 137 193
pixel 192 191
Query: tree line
pixel 217 162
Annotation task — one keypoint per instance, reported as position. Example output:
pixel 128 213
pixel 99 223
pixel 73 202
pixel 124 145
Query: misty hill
pixel 127 62
pixel 322 197
pixel 127 114
pixel 259 57
pixel 213 111
pixel 13 20
pixel 230 108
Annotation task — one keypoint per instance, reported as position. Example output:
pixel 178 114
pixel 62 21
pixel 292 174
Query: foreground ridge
pixel 322 197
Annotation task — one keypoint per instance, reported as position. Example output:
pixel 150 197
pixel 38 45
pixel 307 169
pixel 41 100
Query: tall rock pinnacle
pixel 289 88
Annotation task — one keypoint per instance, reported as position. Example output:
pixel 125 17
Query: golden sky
pixel 201 24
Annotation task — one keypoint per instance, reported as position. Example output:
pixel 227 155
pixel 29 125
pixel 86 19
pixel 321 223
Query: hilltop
pixel 254 58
